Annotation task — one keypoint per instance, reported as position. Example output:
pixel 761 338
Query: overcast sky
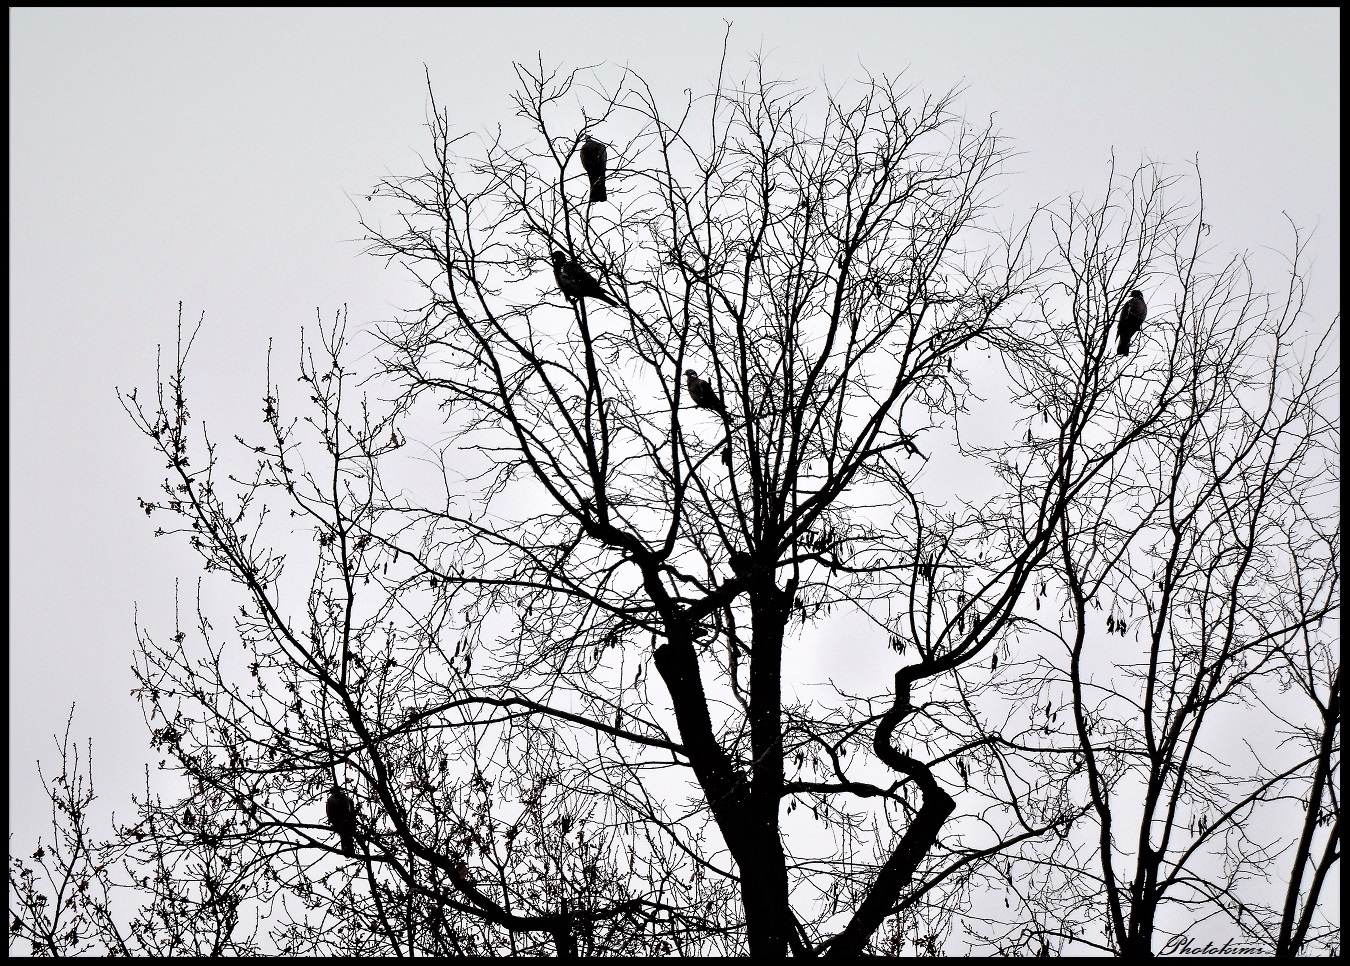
pixel 213 158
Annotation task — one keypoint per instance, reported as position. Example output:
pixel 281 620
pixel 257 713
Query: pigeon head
pixel 559 259
pixel 1136 294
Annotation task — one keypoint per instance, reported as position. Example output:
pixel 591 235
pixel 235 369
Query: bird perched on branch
pixel 577 283
pixel 1132 315
pixel 593 157
pixel 703 394
pixel 342 819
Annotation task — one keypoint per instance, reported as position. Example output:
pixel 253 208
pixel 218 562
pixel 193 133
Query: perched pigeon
pixel 576 282
pixel 342 819
pixel 703 394
pixel 593 156
pixel 1132 315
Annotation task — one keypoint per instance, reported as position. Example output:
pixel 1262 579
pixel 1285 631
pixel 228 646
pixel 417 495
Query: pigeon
pixel 576 282
pixel 342 819
pixel 593 156
pixel 1132 315
pixel 703 394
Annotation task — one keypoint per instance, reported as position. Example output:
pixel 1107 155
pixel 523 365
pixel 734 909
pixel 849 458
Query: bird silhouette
pixel 577 283
pixel 593 157
pixel 342 819
pixel 1132 315
pixel 703 394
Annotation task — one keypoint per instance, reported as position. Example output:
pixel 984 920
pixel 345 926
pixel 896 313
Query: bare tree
pixel 822 283
pixel 1210 549
pixel 470 654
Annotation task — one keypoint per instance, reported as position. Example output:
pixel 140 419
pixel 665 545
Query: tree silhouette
pixel 600 693
pixel 1182 584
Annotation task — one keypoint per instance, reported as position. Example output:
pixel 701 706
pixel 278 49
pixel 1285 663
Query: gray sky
pixel 209 157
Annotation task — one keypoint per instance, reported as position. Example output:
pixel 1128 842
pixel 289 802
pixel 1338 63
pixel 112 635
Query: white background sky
pixel 213 158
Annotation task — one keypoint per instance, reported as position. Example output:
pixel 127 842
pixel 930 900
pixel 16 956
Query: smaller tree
pixel 1212 543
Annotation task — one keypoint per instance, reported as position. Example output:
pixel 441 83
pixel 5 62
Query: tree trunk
pixel 918 839
pixel 764 883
